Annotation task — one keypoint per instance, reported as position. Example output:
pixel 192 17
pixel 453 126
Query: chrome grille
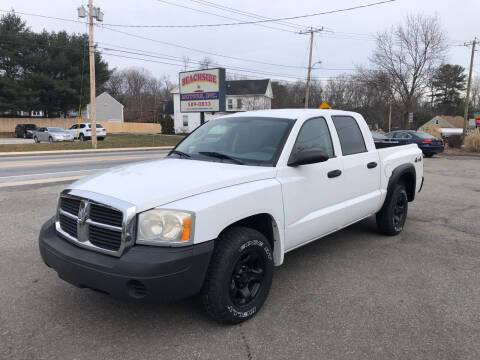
pixel 70 205
pixel 68 225
pixel 106 215
pixel 104 238
pixel 105 227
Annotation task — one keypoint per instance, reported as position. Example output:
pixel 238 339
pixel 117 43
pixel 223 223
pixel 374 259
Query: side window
pixel 314 134
pixel 399 135
pixel 73 127
pixel 349 134
pixel 82 126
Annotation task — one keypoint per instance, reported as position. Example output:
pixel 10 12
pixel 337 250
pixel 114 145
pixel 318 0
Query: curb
pixel 85 151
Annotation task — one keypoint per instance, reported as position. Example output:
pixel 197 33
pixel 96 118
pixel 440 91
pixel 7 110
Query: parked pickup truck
pixel 222 209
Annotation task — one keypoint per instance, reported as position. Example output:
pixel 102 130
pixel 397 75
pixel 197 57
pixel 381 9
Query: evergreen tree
pixel 448 81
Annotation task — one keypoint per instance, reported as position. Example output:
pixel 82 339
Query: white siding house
pixel 108 109
pixel 242 95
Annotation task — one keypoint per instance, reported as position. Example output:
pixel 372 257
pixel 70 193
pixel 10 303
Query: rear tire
pixel 81 137
pixel 50 139
pixel 391 218
pixel 101 138
pixel 239 276
pixel 24 135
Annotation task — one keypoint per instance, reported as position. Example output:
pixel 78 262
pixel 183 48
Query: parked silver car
pixel 51 134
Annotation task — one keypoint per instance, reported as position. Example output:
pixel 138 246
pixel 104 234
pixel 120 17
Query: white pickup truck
pixel 217 214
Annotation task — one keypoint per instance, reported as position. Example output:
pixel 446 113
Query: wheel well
pixel 409 180
pixel 263 223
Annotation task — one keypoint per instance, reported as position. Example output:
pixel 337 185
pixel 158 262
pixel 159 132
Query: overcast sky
pixel 346 43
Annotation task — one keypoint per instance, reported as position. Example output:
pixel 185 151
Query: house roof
pixel 454 121
pixel 247 87
pixel 108 95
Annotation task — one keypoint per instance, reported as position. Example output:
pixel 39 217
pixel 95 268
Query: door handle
pixel 372 165
pixel 334 173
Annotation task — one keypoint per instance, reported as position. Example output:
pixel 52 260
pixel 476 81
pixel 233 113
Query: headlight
pixel 165 227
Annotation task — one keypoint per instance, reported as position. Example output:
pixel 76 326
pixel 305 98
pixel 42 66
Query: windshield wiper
pixel 181 153
pixel 221 156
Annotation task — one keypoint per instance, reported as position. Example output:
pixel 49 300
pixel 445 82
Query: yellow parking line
pixel 39 181
pixel 70 161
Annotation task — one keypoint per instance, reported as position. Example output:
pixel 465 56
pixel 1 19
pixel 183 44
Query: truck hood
pixel 158 182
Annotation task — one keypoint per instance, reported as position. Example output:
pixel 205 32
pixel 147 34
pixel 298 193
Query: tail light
pixel 427 141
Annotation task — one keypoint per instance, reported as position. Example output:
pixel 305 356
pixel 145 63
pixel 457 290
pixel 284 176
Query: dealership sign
pixel 202 90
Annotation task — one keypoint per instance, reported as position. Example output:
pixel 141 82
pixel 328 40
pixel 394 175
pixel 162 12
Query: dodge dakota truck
pixel 224 207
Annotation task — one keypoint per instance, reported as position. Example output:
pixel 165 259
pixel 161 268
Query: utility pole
pixel 390 115
pixel 93 12
pixel 310 31
pixel 469 86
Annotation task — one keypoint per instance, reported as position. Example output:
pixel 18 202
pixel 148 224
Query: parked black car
pixel 25 130
pixel 429 144
pixel 381 141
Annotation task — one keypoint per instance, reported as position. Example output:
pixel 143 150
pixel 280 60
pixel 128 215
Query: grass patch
pixel 111 141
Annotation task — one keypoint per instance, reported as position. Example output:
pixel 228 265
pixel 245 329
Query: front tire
pixel 391 218
pixel 50 139
pixel 81 137
pixel 36 139
pixel 429 155
pixel 239 276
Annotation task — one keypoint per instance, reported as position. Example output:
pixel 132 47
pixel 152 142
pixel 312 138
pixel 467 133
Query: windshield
pixel 378 136
pixel 247 140
pixel 423 135
pixel 55 129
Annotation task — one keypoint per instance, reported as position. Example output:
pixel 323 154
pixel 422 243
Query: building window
pixel 436 121
pixel 230 104
pixel 185 120
pixel 239 103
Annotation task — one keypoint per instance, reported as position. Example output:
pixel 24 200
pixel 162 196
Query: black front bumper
pixel 142 273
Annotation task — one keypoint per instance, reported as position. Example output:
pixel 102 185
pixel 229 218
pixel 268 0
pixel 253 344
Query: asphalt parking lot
pixel 352 295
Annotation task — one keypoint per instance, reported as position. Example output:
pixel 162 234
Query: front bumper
pixel 142 273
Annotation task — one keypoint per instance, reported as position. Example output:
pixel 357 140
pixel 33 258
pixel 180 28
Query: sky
pixel 272 50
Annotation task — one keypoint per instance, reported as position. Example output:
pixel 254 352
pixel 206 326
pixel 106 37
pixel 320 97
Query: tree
pixel 206 63
pixel 167 125
pixel 448 81
pixel 44 71
pixel 408 54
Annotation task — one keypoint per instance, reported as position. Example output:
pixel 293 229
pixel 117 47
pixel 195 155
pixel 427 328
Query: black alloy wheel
pixel 239 275
pixel 247 278
pixel 393 214
pixel 399 211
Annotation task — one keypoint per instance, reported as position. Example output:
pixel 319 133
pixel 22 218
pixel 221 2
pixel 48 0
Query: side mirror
pixel 310 156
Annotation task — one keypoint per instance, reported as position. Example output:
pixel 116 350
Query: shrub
pixel 433 130
pixel 167 125
pixel 455 141
pixel 472 142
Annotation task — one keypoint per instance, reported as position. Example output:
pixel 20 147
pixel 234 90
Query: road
pixel 351 295
pixel 30 170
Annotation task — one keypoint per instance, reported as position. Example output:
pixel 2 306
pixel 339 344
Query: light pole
pixel 93 12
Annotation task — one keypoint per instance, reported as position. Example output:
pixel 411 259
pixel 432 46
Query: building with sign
pixel 239 95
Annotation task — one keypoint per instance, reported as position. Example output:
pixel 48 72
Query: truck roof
pixel 291 113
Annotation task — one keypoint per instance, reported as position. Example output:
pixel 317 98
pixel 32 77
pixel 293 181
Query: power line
pixel 214 14
pixel 255 21
pixel 244 13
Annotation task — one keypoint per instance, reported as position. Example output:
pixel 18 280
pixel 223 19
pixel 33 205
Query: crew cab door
pixel 312 193
pixel 361 167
